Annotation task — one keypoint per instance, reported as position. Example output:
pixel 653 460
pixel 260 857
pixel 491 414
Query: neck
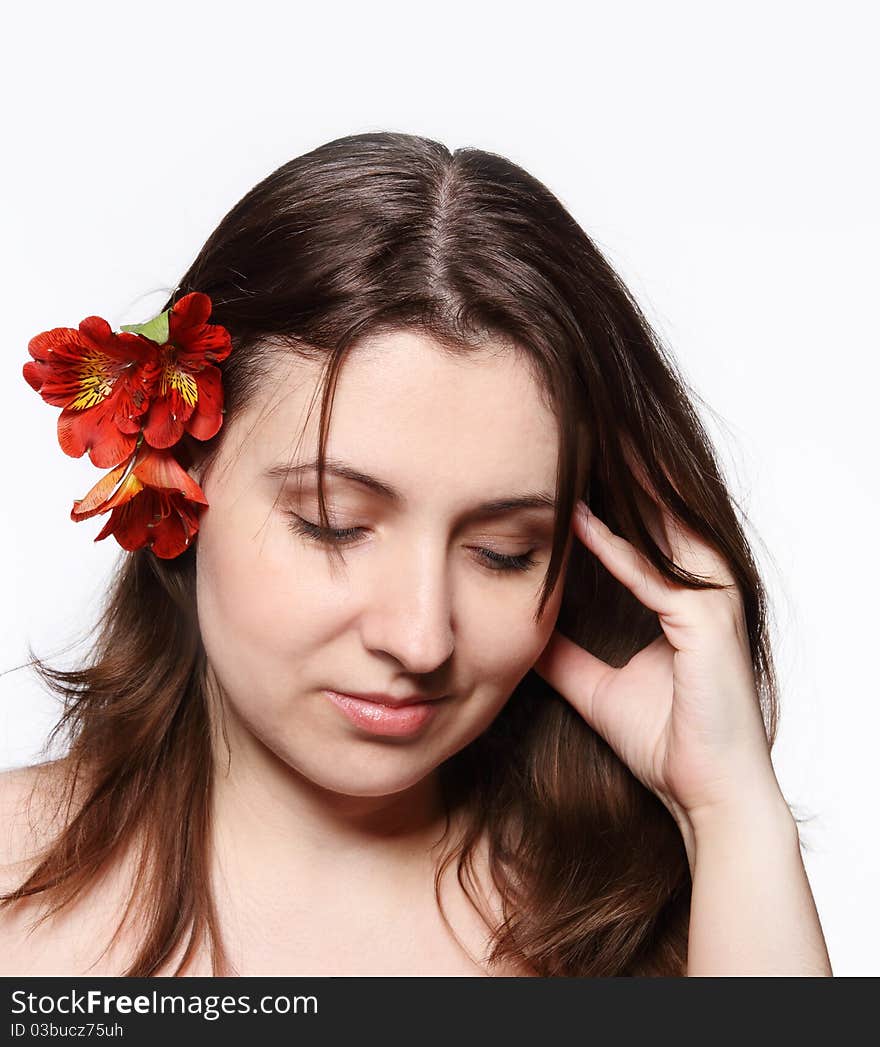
pixel 268 816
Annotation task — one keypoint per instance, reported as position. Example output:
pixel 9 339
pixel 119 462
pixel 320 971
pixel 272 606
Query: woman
pixel 559 759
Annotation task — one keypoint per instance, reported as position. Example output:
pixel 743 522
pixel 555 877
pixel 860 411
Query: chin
pixel 375 785
pixel 394 770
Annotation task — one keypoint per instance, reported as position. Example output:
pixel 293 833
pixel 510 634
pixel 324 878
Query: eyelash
pixel 499 562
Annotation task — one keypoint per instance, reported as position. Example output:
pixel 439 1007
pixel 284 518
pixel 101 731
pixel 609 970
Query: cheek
pixel 502 640
pixel 256 600
pixel 499 641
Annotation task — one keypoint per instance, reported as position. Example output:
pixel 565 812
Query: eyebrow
pixel 335 467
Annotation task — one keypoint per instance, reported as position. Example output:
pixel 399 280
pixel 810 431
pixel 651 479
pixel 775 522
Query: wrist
pixel 752 819
pixel 753 813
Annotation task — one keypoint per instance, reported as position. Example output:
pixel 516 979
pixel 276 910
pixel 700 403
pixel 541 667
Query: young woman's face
pixel 436 596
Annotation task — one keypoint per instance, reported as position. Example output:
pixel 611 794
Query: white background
pixel 721 155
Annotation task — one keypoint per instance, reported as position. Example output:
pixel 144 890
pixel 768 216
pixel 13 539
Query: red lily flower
pixel 126 398
pixel 189 391
pixel 152 500
pixel 103 380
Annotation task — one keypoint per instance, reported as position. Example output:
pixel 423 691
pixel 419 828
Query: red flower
pixel 152 500
pixel 189 392
pixel 128 397
pixel 102 380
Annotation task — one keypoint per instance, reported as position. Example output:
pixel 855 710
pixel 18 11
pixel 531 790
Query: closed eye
pixel 490 559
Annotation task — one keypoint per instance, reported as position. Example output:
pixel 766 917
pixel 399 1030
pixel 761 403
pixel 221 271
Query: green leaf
pixel 156 329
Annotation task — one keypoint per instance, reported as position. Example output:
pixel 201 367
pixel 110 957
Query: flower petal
pixel 102 496
pixel 68 365
pixel 165 420
pixel 94 370
pixel 197 342
pixel 207 418
pixel 121 346
pixel 128 522
pixel 192 310
pixel 94 430
pixel 176 531
pixel 161 470
pixel 164 523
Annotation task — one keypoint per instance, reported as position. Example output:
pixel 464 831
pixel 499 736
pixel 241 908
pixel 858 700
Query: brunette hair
pixel 384 231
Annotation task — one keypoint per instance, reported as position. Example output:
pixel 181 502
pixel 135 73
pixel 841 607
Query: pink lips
pixel 376 718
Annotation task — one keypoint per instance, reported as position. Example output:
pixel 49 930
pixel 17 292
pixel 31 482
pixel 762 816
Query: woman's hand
pixel 683 713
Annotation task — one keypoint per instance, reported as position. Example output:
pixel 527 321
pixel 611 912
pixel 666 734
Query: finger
pixel 695 554
pixel 573 672
pixel 650 504
pixel 686 548
pixel 655 521
pixel 626 563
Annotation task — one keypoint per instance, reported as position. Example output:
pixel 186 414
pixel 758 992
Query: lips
pixel 407 717
pixel 388 700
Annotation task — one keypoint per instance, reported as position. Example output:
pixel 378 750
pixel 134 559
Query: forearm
pixel 752 910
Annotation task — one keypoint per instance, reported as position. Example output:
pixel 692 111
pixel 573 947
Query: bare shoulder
pixel 33 810
pixel 478 910
pixel 23 833
pixel 27 820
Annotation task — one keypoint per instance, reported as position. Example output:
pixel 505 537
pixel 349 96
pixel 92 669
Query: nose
pixel 408 613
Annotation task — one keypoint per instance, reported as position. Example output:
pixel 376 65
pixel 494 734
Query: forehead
pixel 407 409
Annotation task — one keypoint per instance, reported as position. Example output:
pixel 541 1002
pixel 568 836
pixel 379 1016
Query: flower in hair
pixel 152 501
pixel 101 379
pixel 158 377
pixel 127 398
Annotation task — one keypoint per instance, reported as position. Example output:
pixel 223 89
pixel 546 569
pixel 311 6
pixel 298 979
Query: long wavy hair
pixel 384 231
